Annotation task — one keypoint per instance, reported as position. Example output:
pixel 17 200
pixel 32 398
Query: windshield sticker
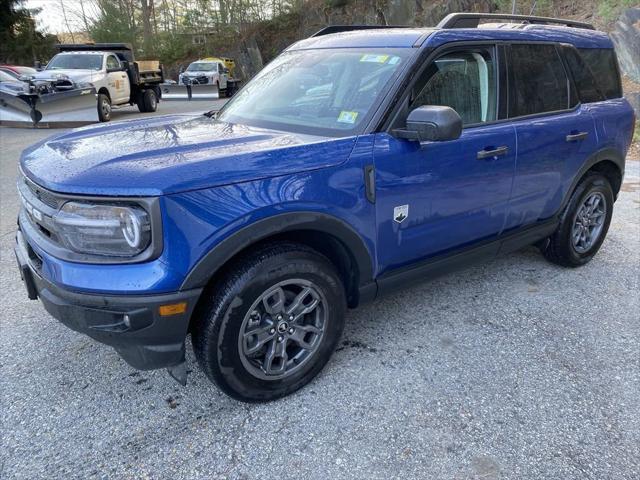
pixel 394 60
pixel 374 58
pixel 347 117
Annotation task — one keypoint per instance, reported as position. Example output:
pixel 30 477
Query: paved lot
pixel 511 369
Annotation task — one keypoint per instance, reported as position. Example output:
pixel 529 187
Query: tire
pixel 221 93
pixel 251 370
pixel 150 101
pixel 104 107
pixel 147 101
pixel 565 247
pixel 140 102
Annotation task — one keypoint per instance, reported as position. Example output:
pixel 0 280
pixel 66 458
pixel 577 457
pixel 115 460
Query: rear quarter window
pixel 604 65
pixel 586 84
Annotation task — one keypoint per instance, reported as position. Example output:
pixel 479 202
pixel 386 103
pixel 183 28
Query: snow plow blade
pixel 74 106
pixel 15 108
pixel 176 91
pixel 69 108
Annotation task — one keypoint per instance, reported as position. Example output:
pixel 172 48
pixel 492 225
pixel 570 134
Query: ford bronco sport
pixel 360 160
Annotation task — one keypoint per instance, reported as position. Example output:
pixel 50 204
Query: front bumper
pixel 131 324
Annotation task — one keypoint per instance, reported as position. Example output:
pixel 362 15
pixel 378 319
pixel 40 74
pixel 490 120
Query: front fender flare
pixel 206 267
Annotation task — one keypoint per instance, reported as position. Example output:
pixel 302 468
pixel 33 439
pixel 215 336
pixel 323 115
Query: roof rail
pixel 472 20
pixel 349 28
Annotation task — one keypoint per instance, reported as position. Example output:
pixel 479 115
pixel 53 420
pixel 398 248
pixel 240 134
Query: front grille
pixel 44 196
pixel 39 209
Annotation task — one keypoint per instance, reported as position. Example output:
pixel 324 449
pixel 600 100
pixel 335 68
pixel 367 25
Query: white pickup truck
pixel 218 71
pixel 112 71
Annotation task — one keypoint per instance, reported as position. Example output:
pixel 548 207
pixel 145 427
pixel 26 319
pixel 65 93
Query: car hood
pixel 173 154
pixel 77 75
pixel 13 87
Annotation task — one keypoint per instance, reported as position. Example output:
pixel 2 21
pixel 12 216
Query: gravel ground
pixel 511 369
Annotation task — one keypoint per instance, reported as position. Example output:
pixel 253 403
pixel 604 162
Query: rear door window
pixel 604 65
pixel 539 80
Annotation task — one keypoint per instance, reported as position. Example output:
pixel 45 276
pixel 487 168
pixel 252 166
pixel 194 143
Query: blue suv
pixel 359 161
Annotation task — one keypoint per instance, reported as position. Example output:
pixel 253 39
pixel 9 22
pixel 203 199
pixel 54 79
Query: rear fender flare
pixel 609 154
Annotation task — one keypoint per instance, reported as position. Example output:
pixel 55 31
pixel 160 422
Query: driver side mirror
pixel 124 65
pixel 431 123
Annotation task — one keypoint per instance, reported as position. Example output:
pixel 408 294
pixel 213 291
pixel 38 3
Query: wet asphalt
pixel 514 368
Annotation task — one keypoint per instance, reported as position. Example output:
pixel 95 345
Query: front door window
pixel 463 80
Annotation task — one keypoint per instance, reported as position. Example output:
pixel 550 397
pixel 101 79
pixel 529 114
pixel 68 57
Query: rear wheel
pixel 271 325
pixel 584 223
pixel 104 107
pixel 147 101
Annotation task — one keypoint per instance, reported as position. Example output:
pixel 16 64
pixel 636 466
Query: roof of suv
pixel 394 37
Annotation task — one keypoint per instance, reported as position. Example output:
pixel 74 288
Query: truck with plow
pixel 204 79
pixel 82 84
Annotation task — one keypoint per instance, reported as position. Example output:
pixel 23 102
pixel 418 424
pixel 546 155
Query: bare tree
pixel 66 21
pixel 147 38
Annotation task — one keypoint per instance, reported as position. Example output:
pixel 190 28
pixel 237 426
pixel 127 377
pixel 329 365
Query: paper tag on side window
pixel 347 117
pixel 374 58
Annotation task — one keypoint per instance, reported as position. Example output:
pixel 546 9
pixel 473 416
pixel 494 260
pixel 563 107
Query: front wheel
pixel 269 327
pixel 104 107
pixel 221 93
pixel 584 223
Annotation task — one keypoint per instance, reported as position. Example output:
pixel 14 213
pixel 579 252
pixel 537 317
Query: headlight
pixel 111 230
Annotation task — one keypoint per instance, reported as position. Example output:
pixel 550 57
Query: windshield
pixel 322 92
pixel 202 67
pixel 75 62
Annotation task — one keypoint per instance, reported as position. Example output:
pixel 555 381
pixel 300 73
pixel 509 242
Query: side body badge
pixel 400 213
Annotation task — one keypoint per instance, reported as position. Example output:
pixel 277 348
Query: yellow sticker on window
pixel 374 58
pixel 347 117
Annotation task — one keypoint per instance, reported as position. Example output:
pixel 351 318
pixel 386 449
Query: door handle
pixel 574 137
pixel 493 153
